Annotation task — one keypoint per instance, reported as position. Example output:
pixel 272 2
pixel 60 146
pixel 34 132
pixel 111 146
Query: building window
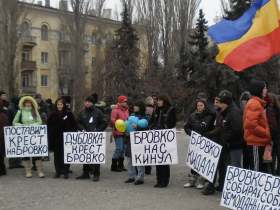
pixel 44 57
pixel 93 38
pixel 26 80
pixel 25 29
pixel 44 33
pixel 44 80
pixel 26 55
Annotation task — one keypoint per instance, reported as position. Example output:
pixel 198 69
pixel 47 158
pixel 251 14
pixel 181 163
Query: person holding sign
pixel 120 112
pixel 165 119
pixel 4 121
pixel 29 115
pixel 91 119
pixel 60 121
pixel 200 121
pixel 231 135
pixel 256 128
pixel 136 174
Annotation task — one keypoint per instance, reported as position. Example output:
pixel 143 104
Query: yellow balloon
pixel 120 126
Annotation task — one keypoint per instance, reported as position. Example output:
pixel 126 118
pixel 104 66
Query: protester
pixel 244 98
pixel 166 119
pixel 256 127
pixel 91 119
pixel 11 109
pixel 42 108
pixel 4 121
pixel 200 121
pixel 120 112
pixel 50 106
pixel 135 174
pixel 214 135
pixel 231 135
pixel 151 116
pixel 61 120
pixel 276 140
pixel 272 113
pixel 29 115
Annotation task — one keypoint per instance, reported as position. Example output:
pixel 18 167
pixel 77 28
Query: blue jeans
pixel 135 172
pixel 119 151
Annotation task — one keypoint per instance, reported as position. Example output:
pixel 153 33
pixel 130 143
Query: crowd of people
pixel 248 131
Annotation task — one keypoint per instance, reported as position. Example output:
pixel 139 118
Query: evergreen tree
pixel 236 8
pixel 199 40
pixel 122 64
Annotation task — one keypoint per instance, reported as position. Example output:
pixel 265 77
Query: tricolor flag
pixel 252 39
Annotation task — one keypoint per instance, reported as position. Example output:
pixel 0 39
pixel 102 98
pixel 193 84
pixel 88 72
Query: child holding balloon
pixel 136 122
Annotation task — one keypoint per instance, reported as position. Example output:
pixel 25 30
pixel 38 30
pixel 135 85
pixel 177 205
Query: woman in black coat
pixel 165 119
pixel 60 121
pixel 200 121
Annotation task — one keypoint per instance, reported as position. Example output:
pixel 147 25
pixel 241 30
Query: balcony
pixel 29 41
pixel 29 90
pixel 28 66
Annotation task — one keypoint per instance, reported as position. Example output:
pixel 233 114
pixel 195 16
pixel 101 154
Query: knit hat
pixel 90 99
pixel 256 87
pixel 122 99
pixel 225 97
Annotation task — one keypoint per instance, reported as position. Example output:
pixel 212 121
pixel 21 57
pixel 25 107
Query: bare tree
pixel 97 7
pixel 147 13
pixel 11 16
pixel 167 27
pixel 75 26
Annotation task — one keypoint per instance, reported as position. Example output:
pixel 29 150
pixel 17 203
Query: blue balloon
pixel 143 123
pixel 133 119
pixel 129 127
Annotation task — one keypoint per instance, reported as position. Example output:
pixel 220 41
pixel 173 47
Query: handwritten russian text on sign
pixel 85 147
pixel 203 156
pixel 26 141
pixel 246 190
pixel 154 147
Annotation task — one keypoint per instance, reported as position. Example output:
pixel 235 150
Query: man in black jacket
pixel 231 135
pixel 91 119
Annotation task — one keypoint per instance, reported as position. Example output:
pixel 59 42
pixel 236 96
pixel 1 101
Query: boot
pixel 120 164
pixel 83 176
pixel 209 189
pixel 27 166
pixel 114 166
pixel 200 183
pixel 39 165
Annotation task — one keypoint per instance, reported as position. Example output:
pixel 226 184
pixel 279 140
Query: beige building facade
pixel 43 50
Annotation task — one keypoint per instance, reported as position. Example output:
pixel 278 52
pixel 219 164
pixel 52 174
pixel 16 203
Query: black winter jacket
pixel 165 118
pixel 200 123
pixel 231 133
pixel 92 120
pixel 59 123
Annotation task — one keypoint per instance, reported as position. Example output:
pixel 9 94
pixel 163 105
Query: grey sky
pixel 211 7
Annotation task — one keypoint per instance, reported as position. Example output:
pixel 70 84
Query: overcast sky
pixel 211 7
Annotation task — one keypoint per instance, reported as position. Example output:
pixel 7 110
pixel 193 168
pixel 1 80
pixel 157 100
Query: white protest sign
pixel 154 147
pixel 26 141
pixel 203 156
pixel 84 147
pixel 246 190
